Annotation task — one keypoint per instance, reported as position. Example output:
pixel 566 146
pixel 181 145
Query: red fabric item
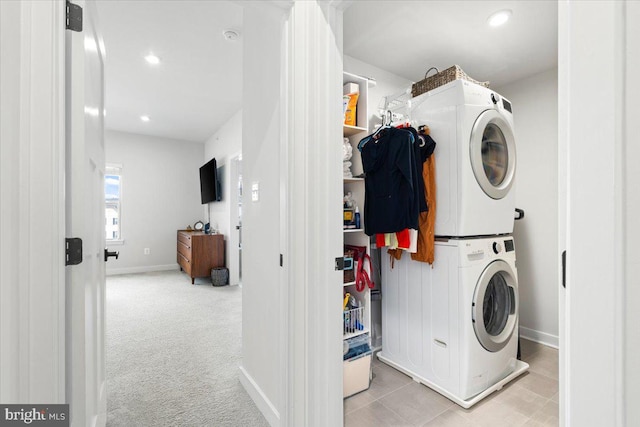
pixel 380 240
pixel 362 276
pixel 404 240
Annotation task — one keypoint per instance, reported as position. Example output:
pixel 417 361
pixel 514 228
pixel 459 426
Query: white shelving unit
pixel 356 334
pixel 355 369
pixel 353 230
pixel 352 130
pixel 349 180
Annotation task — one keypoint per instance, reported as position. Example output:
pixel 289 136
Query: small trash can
pixel 220 276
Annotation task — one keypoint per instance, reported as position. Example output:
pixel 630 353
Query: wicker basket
pixel 220 276
pixel 441 78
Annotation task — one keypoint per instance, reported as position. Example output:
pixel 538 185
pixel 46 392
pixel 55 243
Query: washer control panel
pixel 480 249
pixel 501 246
pixel 473 251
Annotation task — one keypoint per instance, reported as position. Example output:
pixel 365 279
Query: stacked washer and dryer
pixel 453 326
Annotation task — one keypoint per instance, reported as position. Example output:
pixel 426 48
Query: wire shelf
pixel 396 106
pixel 353 321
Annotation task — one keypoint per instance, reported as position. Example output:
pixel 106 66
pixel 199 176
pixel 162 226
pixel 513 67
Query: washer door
pixel 493 154
pixel 495 306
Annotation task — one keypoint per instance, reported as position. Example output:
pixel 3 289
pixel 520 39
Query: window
pixel 113 202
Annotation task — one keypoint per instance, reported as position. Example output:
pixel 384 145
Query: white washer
pixel 475 158
pixel 454 326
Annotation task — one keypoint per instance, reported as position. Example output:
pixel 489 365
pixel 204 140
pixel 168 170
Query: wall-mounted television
pixel 209 183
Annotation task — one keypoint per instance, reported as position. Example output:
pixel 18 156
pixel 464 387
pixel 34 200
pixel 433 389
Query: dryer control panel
pixel 507 105
pixel 508 245
pixel 501 102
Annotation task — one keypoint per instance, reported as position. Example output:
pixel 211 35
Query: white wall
pixel 224 145
pixel 10 172
pixel 632 178
pixel 160 194
pixel 535 113
pixel 261 371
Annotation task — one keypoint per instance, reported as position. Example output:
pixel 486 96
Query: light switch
pixel 255 192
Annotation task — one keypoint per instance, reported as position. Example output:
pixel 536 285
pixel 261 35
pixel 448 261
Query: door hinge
pixel 74 17
pixel 73 250
pixel 340 263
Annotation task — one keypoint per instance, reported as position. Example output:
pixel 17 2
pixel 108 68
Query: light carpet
pixel 173 351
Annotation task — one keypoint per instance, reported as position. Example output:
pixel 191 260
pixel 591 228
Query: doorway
pixel 164 124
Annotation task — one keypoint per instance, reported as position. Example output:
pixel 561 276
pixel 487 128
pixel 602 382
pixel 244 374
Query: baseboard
pixel 539 337
pixel 259 398
pixel 143 269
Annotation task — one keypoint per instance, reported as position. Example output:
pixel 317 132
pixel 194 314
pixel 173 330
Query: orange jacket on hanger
pixel 426 220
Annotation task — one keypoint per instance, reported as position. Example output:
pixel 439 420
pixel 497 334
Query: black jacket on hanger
pixel 391 182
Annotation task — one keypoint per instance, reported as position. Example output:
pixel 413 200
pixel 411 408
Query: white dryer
pixel 475 158
pixel 454 326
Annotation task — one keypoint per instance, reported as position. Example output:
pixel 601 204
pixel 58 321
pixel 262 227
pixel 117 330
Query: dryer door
pixel 495 306
pixel 493 154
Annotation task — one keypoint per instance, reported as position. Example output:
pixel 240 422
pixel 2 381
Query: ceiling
pixel 408 37
pixel 197 86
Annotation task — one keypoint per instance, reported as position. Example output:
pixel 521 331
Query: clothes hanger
pixel 423 131
pixel 386 124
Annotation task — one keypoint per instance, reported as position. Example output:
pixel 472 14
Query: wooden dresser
pixel 198 253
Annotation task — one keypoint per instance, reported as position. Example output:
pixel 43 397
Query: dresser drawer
pixel 184 263
pixel 184 249
pixel 184 238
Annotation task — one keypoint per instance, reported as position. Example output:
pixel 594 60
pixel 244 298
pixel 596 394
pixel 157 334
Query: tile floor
pixel 394 399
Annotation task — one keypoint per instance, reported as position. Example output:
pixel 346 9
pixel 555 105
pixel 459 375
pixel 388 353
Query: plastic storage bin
pixel 357 374
pixel 356 346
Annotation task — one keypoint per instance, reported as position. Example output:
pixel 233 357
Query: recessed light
pixel 499 18
pixel 145 118
pixel 231 35
pixel 152 59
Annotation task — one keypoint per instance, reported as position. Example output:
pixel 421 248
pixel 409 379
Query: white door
pixel 598 41
pixel 85 215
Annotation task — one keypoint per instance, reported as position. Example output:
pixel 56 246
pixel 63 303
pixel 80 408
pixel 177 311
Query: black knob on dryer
pixel 494 98
pixel 497 247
